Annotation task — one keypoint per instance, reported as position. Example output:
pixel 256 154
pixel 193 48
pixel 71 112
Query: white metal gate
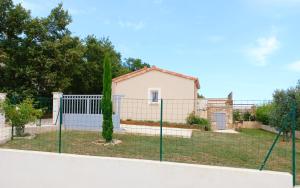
pixel 83 112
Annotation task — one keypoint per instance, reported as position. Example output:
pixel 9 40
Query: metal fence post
pixel 284 122
pixel 60 124
pixel 294 143
pixel 161 133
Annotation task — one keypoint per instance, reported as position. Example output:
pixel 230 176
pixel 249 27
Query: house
pixel 143 90
pixel 154 83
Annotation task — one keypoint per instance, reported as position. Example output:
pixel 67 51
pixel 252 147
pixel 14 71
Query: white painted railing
pixel 84 112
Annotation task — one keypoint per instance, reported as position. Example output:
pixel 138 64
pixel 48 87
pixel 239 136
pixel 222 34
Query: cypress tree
pixel 107 127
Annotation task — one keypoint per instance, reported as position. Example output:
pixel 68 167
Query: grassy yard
pixel 246 149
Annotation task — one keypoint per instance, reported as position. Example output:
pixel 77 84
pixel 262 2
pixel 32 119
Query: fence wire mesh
pixel 219 132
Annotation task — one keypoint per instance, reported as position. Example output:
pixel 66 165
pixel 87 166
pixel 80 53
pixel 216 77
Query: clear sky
pixel 249 47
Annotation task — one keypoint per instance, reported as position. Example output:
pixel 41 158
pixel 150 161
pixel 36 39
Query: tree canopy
pixel 39 55
pixel 283 102
pixel 280 108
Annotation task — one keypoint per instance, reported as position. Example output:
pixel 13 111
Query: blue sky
pixel 249 47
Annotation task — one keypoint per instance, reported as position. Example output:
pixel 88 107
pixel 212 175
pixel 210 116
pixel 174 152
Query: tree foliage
pixel 21 114
pixel 263 113
pixel 283 102
pixel 237 115
pixel 107 127
pixel 279 109
pixel 135 64
pixel 38 55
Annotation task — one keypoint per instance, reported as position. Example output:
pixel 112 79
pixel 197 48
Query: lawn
pixel 246 149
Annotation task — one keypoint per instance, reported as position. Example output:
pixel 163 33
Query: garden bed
pixel 157 124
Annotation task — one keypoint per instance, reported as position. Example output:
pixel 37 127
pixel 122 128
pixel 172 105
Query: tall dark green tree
pixel 134 64
pixel 88 74
pixel 107 127
pixel 39 55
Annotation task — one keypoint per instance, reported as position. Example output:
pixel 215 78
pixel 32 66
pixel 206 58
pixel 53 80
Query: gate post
pixel 117 109
pixel 60 124
pixel 2 115
pixel 56 107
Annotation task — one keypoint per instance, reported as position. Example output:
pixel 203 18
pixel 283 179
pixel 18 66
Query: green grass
pixel 246 149
pixel 257 133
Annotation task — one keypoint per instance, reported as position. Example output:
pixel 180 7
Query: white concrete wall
pixel 5 135
pixel 2 115
pixel 29 169
pixel 56 106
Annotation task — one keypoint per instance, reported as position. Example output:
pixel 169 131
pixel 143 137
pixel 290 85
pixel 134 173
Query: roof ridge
pixel 129 74
pixel 147 69
pixel 175 73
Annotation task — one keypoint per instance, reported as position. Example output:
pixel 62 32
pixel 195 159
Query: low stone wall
pixel 258 125
pixel 268 128
pixel 249 125
pixel 273 130
pixel 5 132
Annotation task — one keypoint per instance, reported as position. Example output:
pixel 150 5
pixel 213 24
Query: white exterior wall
pixel 135 104
pixel 172 87
pixel 5 134
pixel 29 169
pixel 2 115
pixel 56 106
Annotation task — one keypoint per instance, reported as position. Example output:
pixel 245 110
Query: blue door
pixel 220 119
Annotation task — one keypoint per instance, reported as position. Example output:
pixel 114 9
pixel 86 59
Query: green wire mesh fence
pixel 218 132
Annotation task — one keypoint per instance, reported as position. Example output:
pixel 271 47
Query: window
pixel 154 95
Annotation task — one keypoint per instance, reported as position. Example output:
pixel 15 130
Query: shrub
pixel 237 115
pixel 193 119
pixel 21 114
pixel 263 113
pixel 247 116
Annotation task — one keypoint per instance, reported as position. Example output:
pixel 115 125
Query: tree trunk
pixel 20 130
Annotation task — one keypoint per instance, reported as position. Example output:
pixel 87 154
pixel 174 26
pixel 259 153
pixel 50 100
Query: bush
pixel 193 119
pixel 263 113
pixel 247 116
pixel 236 115
pixel 21 114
